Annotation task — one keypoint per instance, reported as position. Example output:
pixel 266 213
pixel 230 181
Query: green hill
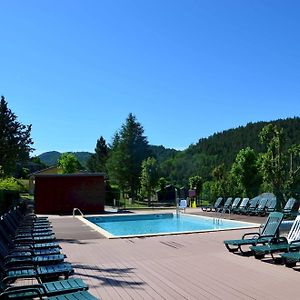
pixel 50 158
pixel 204 156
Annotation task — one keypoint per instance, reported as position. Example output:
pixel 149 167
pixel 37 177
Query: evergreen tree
pixel 130 147
pixel 15 140
pixel 97 161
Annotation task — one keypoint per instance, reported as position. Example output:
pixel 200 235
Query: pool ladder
pixel 77 209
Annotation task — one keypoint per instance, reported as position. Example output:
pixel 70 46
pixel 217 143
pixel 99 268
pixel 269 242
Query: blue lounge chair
pixel 269 231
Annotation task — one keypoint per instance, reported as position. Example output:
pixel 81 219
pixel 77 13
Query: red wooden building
pixel 59 194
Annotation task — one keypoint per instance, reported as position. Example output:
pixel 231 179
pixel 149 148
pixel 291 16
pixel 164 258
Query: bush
pixel 9 193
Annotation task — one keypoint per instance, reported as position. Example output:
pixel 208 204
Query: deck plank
pixel 194 266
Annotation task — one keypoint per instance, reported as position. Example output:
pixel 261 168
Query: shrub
pixel 9 193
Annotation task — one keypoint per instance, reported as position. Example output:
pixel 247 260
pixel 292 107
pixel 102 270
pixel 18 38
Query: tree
pixel 149 177
pixel 244 173
pixel 220 184
pixel 272 162
pixel 15 140
pixel 130 147
pixel 196 182
pixel 97 161
pixel 68 163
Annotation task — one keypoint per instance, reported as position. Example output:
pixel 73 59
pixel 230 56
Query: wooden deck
pixel 193 266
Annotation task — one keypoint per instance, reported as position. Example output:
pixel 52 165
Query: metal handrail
pixel 74 210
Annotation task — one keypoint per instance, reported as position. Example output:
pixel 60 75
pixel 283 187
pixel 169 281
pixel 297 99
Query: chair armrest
pixel 251 233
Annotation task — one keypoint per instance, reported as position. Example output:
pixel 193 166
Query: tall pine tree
pixel 15 140
pixel 130 147
pixel 97 161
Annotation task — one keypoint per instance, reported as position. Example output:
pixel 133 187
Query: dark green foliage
pixel 15 140
pixel 129 148
pixel 8 199
pixel 223 147
pixel 97 161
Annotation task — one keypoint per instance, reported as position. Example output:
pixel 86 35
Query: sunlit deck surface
pixel 190 266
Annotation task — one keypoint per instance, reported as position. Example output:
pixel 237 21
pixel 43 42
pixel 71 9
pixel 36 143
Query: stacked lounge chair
pixel 28 249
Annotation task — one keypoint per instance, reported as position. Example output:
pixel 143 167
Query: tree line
pixel 244 161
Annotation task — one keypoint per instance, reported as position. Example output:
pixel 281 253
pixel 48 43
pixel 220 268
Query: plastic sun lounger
pixel 261 206
pixel 281 244
pixel 269 231
pixel 213 207
pixel 41 273
pixel 227 205
pixel 235 203
pixel 242 207
pixel 47 289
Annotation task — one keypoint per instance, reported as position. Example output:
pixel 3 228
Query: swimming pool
pixel 160 224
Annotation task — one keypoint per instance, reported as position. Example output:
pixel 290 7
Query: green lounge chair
pixel 213 207
pixel 280 244
pixel 289 206
pixel 290 259
pixel 23 258
pixel 84 295
pixel 242 207
pixel 47 289
pixel 235 204
pixel 269 231
pixel 260 209
pixel 41 273
pixel 271 205
pixel 226 207
pixel 253 205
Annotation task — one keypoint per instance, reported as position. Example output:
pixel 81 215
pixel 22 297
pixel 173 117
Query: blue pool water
pixel 151 224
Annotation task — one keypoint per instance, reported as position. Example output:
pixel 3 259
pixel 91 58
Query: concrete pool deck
pixel 193 266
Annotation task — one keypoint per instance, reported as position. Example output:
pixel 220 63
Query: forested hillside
pixel 203 157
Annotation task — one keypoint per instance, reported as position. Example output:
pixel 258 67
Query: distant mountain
pixel 50 158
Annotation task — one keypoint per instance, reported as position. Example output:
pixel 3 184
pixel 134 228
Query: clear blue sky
pixel 75 69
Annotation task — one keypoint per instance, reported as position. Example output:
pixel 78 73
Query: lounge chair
pixel 280 244
pixel 269 231
pixel 83 295
pixel 235 204
pixel 289 206
pixel 41 273
pixel 23 257
pixel 213 207
pixel 47 289
pixel 290 259
pixel 271 205
pixel 25 244
pixel 253 205
pixel 226 207
pixel 243 206
pixel 261 207
pixel 25 237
